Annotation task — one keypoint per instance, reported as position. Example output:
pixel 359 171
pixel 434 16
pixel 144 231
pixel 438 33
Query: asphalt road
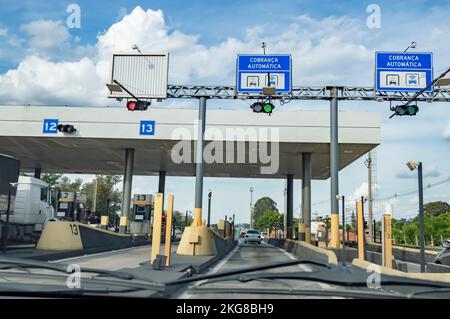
pixel 252 254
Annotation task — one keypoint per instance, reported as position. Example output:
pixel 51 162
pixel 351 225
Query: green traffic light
pixel 268 108
pixel 412 110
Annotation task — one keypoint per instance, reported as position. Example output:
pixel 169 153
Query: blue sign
pixel 257 71
pixel 402 71
pixel 50 126
pixel 147 128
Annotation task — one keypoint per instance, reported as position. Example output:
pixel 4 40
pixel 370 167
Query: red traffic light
pixel 137 105
pixel 131 105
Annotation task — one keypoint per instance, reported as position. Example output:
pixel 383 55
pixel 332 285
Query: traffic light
pixel 66 128
pixel 260 107
pixel 137 105
pixel 365 225
pixel 405 110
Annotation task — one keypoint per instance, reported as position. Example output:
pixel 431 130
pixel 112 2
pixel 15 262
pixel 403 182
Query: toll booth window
pixel 44 194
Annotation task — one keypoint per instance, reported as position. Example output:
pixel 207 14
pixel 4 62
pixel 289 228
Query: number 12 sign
pixel 147 128
pixel 50 126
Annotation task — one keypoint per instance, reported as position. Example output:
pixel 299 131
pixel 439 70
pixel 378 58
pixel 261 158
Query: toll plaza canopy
pixel 103 133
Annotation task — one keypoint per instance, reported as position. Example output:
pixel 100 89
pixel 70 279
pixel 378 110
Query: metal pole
pixel 343 229
pixel 251 207
pixel 306 195
pixel 285 219
pixel 186 219
pixel 37 172
pixel 199 162
pixel 334 167
pixel 369 195
pixel 6 226
pixel 290 206
pixel 209 209
pixel 126 194
pixel 94 200
pixel 421 220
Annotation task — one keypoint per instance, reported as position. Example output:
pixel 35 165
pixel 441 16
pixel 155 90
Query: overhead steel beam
pixel 306 93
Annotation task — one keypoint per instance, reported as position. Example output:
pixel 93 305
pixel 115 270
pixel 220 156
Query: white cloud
pixel 447 132
pixel 362 190
pixel 46 36
pixel 3 32
pixel 330 59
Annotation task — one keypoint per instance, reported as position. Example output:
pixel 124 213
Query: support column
pixel 126 193
pixel 37 172
pixel 306 195
pixel 162 182
pixel 197 239
pixel 334 168
pixel 162 185
pixel 290 206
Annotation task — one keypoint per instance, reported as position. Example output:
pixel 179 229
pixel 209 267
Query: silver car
pixel 444 256
pixel 252 236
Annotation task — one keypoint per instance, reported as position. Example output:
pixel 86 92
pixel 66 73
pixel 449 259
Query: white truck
pixel 30 208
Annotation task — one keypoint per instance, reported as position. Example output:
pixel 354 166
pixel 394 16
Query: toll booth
pixel 142 212
pixel 80 207
pixel 66 206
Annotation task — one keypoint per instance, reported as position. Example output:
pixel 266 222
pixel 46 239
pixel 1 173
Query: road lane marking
pixel 306 268
pixel 97 254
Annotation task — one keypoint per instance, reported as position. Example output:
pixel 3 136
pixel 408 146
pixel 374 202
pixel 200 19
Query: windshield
pixel 225 149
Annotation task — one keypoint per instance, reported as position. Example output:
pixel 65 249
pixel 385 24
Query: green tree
pixel 262 205
pixel 51 179
pixel 66 185
pixel 180 219
pixel 269 219
pixel 436 208
pixel 106 191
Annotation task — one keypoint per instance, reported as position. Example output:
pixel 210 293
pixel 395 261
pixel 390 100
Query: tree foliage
pixel 106 190
pixel 269 219
pixel 436 222
pixel 262 205
pixel 436 208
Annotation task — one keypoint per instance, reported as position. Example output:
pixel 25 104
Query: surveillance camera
pixel 413 44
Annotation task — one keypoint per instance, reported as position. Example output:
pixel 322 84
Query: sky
pixel 47 58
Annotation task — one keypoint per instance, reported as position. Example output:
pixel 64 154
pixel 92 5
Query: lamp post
pixel 412 166
pixel 209 209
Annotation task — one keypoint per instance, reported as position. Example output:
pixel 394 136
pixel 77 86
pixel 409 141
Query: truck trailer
pixel 25 203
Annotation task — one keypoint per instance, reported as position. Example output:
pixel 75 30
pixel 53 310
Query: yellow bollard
pixel 157 226
pixel 168 241
pixel 301 232
pixel 104 220
pixel 359 216
pixel 334 240
pixel 387 237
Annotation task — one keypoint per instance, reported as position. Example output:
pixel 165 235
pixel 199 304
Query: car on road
pixel 444 256
pixel 252 236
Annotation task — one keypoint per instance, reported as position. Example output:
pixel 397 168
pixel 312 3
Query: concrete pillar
pixel 290 206
pixel 126 193
pixel 199 164
pixel 334 167
pixel 306 196
pixel 37 172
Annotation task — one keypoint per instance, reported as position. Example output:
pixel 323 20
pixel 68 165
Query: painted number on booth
pixel 50 126
pixel 74 229
pixel 147 128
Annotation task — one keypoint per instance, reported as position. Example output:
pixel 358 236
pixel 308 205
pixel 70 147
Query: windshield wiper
pixel 250 269
pixel 341 275
pixel 26 264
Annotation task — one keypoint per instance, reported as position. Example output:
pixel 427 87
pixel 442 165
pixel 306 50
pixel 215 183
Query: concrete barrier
pixel 223 246
pixel 406 253
pixel 303 250
pixel 440 277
